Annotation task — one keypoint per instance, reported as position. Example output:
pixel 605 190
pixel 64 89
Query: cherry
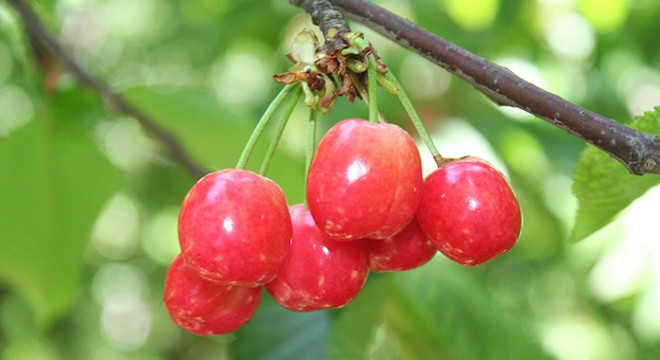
pixel 365 180
pixel 235 228
pixel 320 272
pixel 469 211
pixel 406 250
pixel 203 307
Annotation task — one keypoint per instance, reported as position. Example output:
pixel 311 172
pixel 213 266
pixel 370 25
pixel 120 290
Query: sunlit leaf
pixel 605 15
pixel 604 187
pixel 473 15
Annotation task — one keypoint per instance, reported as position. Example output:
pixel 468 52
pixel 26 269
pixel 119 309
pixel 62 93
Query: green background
pixel 88 201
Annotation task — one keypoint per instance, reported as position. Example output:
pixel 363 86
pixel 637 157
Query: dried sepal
pixel 335 68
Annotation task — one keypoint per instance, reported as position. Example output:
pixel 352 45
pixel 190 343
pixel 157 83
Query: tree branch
pixel 38 31
pixel 325 16
pixel 639 152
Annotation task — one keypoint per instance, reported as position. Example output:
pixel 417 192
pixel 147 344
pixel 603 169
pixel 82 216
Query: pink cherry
pixel 235 228
pixel 203 307
pixel 320 272
pixel 406 250
pixel 469 211
pixel 365 180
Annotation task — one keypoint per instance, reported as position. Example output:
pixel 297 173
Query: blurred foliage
pixel 403 317
pixel 88 202
pixel 49 205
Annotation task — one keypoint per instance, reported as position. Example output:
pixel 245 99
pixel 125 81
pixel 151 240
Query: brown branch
pixel 639 152
pixel 325 16
pixel 38 31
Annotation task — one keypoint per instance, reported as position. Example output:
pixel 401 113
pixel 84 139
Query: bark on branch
pixel 37 31
pixel 639 152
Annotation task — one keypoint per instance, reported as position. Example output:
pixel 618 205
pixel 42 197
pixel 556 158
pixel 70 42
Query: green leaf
pixel 282 334
pixel 439 311
pixel 604 187
pixel 54 182
pixel 215 135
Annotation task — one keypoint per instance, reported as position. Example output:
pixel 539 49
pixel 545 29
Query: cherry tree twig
pixel 639 152
pixel 37 31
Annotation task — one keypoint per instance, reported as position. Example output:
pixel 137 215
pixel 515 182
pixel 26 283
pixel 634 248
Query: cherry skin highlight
pixel 235 228
pixel 320 272
pixel 406 250
pixel 365 180
pixel 469 211
pixel 203 307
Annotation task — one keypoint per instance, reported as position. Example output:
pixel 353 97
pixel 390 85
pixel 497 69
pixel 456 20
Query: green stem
pixel 279 131
pixel 311 140
pixel 365 97
pixel 311 145
pixel 261 125
pixel 372 89
pixel 417 122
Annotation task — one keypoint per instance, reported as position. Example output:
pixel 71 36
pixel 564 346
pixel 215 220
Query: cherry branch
pixel 37 31
pixel 638 151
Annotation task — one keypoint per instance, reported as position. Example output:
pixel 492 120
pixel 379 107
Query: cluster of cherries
pixel 368 208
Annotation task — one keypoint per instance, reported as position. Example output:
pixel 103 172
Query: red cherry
pixel 203 307
pixel 320 273
pixel 235 228
pixel 406 250
pixel 469 211
pixel 365 180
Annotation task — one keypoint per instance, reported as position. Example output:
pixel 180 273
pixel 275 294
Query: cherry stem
pixel 372 88
pixel 311 139
pixel 281 125
pixel 261 125
pixel 417 122
pixel 311 144
pixel 362 44
pixel 365 97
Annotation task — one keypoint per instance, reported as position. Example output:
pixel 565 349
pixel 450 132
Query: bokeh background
pixel 89 202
